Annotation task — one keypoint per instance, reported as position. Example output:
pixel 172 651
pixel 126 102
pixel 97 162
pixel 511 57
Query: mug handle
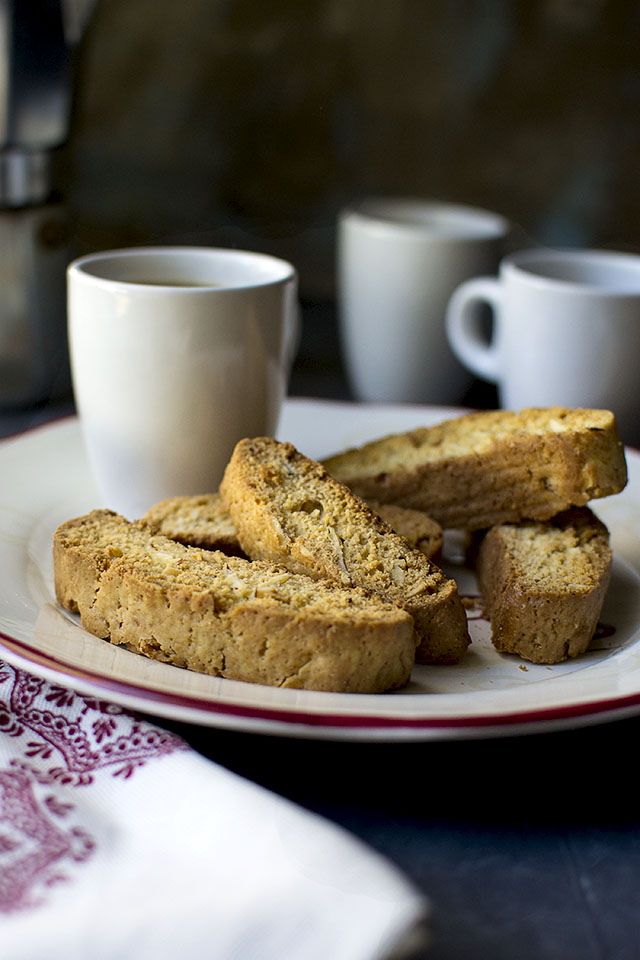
pixel 464 331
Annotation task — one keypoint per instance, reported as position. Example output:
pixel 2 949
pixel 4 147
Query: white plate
pixel 44 480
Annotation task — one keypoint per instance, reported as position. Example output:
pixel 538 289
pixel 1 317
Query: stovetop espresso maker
pixel 36 43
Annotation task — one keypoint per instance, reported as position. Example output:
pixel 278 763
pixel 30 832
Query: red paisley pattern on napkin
pixel 62 740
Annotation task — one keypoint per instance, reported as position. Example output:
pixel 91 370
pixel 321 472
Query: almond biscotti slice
pixel 491 467
pixel 419 529
pixel 225 616
pixel 543 584
pixel 287 509
pixel 203 521
pixel 197 521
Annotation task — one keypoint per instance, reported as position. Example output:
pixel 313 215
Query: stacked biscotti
pixel 192 597
pixel 543 566
pixel 287 509
pixel 491 467
pixel 225 616
pixel 322 576
pixel 203 521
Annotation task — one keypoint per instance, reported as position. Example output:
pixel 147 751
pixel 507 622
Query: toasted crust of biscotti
pixel 287 509
pixel 197 521
pixel 491 467
pixel 543 584
pixel 203 521
pixel 226 616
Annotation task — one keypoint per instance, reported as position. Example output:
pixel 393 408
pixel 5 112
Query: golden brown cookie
pixel 491 467
pixel 288 509
pixel 226 616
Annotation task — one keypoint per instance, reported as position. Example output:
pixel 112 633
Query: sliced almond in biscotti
pixel 225 616
pixel 543 584
pixel 491 467
pixel 287 509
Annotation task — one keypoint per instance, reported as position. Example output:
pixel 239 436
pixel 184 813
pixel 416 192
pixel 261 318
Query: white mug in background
pixel 176 354
pixel 398 262
pixel 566 331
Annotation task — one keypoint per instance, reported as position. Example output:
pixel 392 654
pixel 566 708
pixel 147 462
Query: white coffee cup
pixel 398 262
pixel 566 331
pixel 176 353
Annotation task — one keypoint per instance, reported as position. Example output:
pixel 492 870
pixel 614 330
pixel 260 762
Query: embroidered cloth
pixel 117 840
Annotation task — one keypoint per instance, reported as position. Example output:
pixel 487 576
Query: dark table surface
pixel 527 846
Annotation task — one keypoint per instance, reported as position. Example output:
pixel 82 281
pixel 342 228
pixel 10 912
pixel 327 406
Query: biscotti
pixel 203 521
pixel 287 509
pixel 543 584
pixel 225 616
pixel 415 526
pixel 197 521
pixel 491 467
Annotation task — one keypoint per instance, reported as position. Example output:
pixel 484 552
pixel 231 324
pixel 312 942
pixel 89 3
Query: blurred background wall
pixel 251 122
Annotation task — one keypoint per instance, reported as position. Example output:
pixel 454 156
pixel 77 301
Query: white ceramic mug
pixel 176 354
pixel 398 262
pixel 566 331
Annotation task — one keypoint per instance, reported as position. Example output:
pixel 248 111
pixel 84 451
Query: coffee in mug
pixel 176 353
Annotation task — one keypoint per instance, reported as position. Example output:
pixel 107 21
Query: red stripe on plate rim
pixel 302 717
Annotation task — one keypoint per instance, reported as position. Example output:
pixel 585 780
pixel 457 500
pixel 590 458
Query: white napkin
pixel 119 842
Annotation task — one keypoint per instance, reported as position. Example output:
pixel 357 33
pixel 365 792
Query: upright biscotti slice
pixel 287 509
pixel 203 521
pixel 543 584
pixel 226 616
pixel 492 467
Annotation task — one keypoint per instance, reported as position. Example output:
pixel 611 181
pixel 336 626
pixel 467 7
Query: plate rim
pixel 292 715
pixel 360 724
